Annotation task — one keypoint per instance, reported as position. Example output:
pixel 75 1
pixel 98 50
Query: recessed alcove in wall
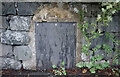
pixel 55 43
pixel 54 38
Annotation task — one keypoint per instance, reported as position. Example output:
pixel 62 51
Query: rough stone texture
pixel 56 12
pixel 0 22
pixel 84 57
pixel 114 26
pixel 31 64
pixel 117 37
pixel 3 22
pixel 14 38
pixel 101 40
pixel 0 8
pixel 87 7
pixel 78 45
pixel 0 32
pixel 83 41
pixel 22 53
pixel 27 8
pixel 20 23
pixel 55 42
pixel 58 0
pixel 8 63
pixel 8 8
pixel 6 50
pixel 90 20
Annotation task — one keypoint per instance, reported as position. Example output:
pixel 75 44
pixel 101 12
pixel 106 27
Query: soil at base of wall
pixel 75 72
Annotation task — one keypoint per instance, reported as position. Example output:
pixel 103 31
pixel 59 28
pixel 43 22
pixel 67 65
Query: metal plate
pixel 55 42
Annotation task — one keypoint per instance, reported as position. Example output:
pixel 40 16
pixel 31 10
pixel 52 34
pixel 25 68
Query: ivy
pixel 60 70
pixel 103 19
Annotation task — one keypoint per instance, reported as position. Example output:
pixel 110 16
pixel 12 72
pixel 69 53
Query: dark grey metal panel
pixel 55 42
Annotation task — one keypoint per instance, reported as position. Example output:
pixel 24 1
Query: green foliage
pixel 93 65
pixel 60 70
pixel 103 19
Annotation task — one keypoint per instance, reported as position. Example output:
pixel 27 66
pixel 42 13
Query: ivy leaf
pixel 105 64
pixel 98 17
pixel 53 66
pixel 97 66
pixel 113 12
pixel 99 58
pixel 103 10
pixel 92 59
pixel 89 65
pixel 109 7
pixel 63 63
pixel 63 71
pixel 92 70
pixel 80 64
pixel 98 46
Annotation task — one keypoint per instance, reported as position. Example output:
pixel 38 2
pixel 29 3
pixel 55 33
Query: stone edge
pixel 59 0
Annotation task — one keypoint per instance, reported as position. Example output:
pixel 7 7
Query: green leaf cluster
pixel 60 70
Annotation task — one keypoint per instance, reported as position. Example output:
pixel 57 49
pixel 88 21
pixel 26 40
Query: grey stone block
pixel 101 40
pixel 3 22
pixel 0 32
pixel 0 8
pixel 6 50
pixel 22 53
pixel 8 63
pixel 117 37
pixel 83 40
pixel 14 38
pixel 90 20
pixel 104 54
pixel 20 23
pixel 113 26
pixel 84 57
pixel 8 8
pixel 90 12
pixel 27 8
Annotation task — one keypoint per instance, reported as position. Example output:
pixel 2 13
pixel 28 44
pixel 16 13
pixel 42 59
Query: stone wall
pixel 17 32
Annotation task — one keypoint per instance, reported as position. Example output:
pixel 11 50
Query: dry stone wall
pixel 17 45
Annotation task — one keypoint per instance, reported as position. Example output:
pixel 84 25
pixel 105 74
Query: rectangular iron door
pixel 55 43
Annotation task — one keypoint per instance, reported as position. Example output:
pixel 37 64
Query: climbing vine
pixel 103 19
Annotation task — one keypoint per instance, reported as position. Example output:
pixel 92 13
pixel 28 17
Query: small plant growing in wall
pixel 60 70
pixel 94 63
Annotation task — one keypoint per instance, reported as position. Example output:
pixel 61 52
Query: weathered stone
pixel 20 23
pixel 8 8
pixel 6 50
pixel 104 54
pixel 3 22
pixel 90 12
pixel 22 53
pixel 55 42
pixel 83 40
pixel 54 12
pixel 113 26
pixel 101 40
pixel 0 8
pixel 90 20
pixel 27 8
pixel 84 57
pixel 0 33
pixel 117 37
pixel 14 38
pixel 31 63
pixel 8 63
